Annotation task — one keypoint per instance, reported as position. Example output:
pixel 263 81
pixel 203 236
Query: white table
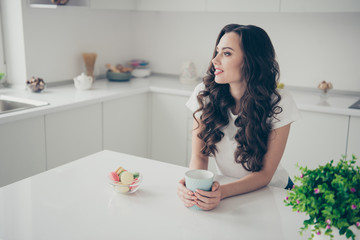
pixel 74 201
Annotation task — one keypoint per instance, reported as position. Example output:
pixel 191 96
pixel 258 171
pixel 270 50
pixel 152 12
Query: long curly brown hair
pixel 260 73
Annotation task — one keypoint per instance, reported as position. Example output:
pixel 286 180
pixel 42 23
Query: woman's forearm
pixel 249 183
pixel 198 163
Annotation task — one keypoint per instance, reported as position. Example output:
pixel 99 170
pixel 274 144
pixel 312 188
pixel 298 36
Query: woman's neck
pixel 237 91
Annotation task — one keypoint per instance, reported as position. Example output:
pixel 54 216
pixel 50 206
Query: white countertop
pixel 75 201
pixel 67 97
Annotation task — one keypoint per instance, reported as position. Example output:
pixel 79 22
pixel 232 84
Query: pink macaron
pixel 113 176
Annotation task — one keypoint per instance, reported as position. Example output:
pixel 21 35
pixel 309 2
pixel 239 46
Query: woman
pixel 240 118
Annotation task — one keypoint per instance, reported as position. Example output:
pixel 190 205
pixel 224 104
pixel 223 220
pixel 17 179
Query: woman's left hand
pixel 208 200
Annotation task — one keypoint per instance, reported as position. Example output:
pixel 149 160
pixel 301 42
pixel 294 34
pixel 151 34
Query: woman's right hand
pixel 185 195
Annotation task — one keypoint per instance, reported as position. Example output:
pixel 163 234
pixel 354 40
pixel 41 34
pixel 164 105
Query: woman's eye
pixel 227 53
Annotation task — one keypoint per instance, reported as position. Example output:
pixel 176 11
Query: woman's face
pixel 228 60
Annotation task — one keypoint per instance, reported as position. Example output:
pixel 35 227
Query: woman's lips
pixel 218 71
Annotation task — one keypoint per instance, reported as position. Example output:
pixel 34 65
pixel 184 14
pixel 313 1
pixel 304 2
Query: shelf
pixel 49 4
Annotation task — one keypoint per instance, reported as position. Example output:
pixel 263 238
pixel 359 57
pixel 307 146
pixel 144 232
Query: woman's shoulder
pixel 289 113
pixel 199 87
pixel 286 97
pixel 192 103
pixel 284 93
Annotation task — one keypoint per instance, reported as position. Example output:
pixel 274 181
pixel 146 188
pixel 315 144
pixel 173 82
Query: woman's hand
pixel 208 200
pixel 185 195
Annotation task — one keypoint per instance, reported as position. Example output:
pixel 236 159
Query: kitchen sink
pixel 356 105
pixel 10 104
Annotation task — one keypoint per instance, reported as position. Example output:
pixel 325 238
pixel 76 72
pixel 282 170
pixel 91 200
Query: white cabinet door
pixel 209 5
pixel 242 5
pixel 49 4
pixel 354 138
pixel 314 140
pixel 169 120
pixel 170 5
pixel 113 4
pixel 22 149
pixel 73 134
pixel 320 6
pixel 125 125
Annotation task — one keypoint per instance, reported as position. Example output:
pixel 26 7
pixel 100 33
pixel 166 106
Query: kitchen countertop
pixel 75 201
pixel 67 97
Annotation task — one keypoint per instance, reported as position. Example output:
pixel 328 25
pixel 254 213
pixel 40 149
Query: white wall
pixel 311 47
pixel 56 38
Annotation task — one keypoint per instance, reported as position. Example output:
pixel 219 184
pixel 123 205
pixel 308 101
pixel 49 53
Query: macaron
pixel 121 188
pixel 119 170
pixel 113 176
pixel 126 178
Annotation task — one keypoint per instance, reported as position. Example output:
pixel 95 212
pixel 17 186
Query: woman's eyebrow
pixel 224 48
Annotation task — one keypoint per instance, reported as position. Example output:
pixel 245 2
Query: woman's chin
pixel 219 80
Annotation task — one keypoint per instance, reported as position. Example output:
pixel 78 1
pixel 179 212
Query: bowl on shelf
pixel 118 76
pixel 126 188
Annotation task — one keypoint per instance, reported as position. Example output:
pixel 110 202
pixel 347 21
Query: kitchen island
pixel 75 201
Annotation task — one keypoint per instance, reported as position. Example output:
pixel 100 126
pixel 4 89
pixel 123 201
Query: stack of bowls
pixel 141 68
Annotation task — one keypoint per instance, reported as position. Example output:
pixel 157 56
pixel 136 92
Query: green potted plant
pixel 330 196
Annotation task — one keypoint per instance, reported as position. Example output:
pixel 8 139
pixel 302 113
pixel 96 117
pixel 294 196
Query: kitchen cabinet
pixel 209 5
pixel 48 4
pixel 72 134
pixel 320 6
pixel 113 4
pixel 315 139
pixel 22 149
pixel 170 5
pixel 354 138
pixel 125 124
pixel 213 5
pixel 242 6
pixel 229 5
pixel 169 128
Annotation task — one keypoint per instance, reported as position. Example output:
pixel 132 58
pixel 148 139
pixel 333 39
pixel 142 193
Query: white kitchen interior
pixel 315 40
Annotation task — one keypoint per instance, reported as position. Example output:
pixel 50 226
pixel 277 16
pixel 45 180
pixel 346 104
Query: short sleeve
pixel 290 113
pixel 192 102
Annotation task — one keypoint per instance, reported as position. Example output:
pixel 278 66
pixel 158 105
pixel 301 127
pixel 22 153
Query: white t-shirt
pixel 224 157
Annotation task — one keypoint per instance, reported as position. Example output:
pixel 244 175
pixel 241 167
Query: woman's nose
pixel 215 60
